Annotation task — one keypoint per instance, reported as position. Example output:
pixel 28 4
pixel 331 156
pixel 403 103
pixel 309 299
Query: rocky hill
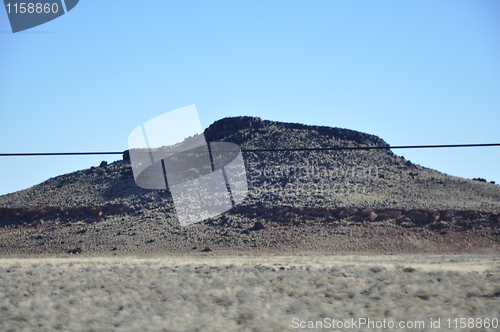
pixel 353 193
pixel 347 178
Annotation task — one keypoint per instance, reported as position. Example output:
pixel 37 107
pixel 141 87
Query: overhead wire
pixel 39 154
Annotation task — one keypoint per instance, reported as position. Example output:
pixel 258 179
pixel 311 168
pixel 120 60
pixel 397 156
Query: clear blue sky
pixel 411 72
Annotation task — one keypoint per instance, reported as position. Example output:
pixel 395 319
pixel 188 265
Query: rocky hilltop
pixel 238 130
pixel 306 200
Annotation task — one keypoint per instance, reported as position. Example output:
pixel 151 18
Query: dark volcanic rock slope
pixel 297 202
pixel 360 178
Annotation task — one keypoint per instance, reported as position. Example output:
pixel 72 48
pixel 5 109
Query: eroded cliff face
pixel 283 215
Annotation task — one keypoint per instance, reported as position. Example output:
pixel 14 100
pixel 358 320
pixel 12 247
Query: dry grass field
pixel 248 292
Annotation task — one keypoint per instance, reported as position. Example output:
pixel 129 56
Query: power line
pixel 266 150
